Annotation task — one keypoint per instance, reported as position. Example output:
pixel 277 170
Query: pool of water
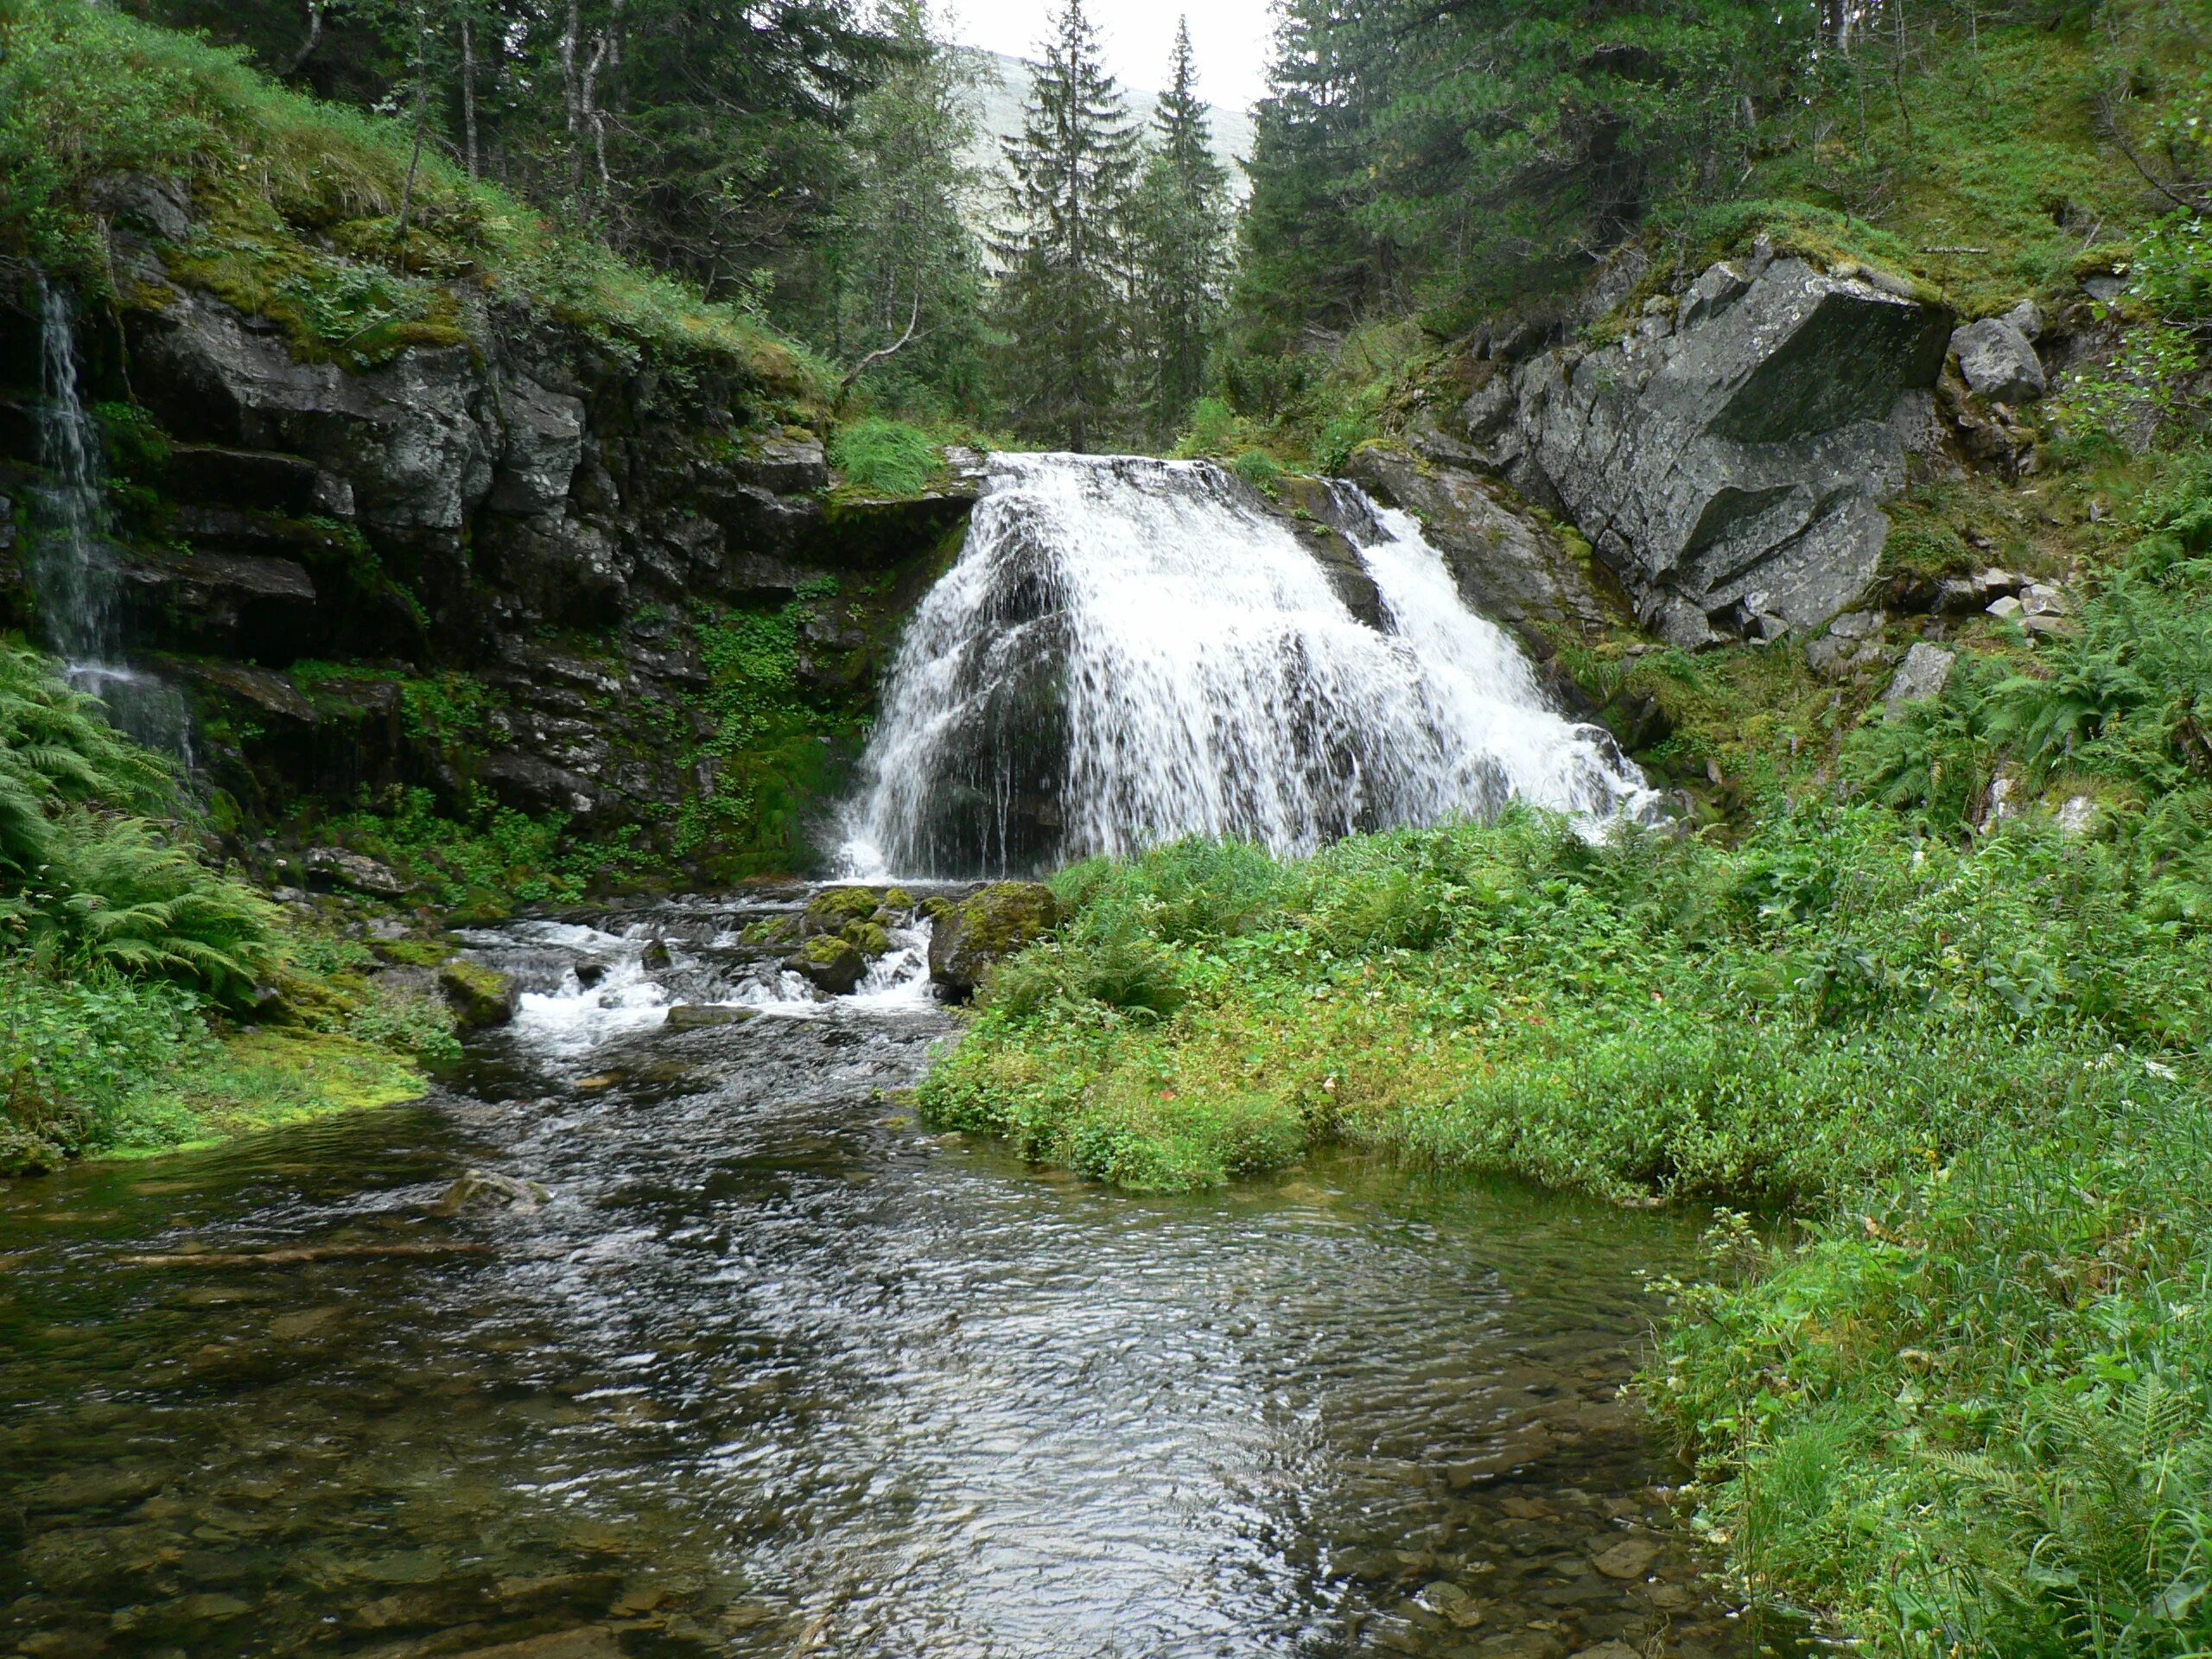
pixel 777 1370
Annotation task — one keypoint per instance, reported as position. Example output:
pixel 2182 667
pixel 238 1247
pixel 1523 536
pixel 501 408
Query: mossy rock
pixel 833 964
pixel 987 928
pixel 775 930
pixel 898 899
pixel 935 907
pixel 830 909
pixel 478 996
pixel 413 953
pixel 867 938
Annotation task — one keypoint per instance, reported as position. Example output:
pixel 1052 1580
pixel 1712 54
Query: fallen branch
pixel 2109 122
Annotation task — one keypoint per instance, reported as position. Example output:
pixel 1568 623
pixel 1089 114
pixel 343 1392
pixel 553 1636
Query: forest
pixel 715 331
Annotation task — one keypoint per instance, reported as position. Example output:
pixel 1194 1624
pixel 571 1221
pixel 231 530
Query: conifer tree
pixel 1180 224
pixel 1063 256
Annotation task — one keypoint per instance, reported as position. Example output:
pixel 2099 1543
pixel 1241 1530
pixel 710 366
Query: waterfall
pixel 1129 651
pixel 72 564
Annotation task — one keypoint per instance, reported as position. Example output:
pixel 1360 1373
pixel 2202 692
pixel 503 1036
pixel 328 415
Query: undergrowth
pixel 126 959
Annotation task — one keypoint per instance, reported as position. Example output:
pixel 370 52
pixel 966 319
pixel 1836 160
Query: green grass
pixel 885 457
pixel 296 207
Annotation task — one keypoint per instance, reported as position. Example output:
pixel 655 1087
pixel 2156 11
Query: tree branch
pixel 882 355
pixel 2108 119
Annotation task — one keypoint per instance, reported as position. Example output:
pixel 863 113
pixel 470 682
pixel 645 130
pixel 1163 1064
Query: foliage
pixel 83 881
pixel 1180 231
pixel 907 267
pixel 885 457
pixel 1834 999
pixel 483 867
pixel 1973 1409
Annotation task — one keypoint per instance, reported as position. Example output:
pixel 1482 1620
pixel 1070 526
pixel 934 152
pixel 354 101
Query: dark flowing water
pixel 778 1371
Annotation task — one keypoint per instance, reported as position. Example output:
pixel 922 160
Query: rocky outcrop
pixel 539 511
pixel 1728 456
pixel 1997 356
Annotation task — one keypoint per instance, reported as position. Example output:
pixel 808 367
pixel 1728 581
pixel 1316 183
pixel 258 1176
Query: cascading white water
pixel 72 574
pixel 1131 650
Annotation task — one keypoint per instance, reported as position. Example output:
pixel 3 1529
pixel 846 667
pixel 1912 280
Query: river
pixel 776 1369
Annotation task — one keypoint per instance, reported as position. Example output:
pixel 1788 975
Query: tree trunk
pixel 469 91
pixel 422 116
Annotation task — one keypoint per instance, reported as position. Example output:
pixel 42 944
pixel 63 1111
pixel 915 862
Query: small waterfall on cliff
pixel 1132 650
pixel 72 570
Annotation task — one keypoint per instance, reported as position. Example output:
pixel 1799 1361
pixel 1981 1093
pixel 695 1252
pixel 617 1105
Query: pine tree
pixel 1180 221
pixel 1065 257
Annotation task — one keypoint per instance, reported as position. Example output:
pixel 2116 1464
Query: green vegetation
pixel 481 868
pixel 125 960
pixel 885 457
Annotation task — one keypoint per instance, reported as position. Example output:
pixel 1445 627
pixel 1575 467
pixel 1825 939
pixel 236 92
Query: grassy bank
pixel 298 207
pixel 147 999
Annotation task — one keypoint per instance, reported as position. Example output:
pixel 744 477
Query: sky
pixel 1229 38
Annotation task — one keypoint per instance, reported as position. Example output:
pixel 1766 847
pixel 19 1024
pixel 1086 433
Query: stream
pixel 778 1370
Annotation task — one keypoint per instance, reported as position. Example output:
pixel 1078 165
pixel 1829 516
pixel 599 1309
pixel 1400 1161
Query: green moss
pixel 866 938
pixel 1007 915
pixel 259 1080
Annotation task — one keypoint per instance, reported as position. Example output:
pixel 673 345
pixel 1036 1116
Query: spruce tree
pixel 1063 256
pixel 1180 221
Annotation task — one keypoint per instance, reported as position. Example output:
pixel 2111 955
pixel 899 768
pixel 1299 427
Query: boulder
pixel 478 996
pixel 235 604
pixel 1923 673
pixel 1999 361
pixel 700 1016
pixel 834 964
pixel 538 787
pixel 985 929
pixel 1728 464
pixel 334 866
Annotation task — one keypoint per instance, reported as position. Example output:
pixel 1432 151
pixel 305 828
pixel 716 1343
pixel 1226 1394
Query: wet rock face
pixel 1728 461
pixel 455 510
pixel 1505 566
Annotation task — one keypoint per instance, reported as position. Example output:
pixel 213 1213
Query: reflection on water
pixel 778 1372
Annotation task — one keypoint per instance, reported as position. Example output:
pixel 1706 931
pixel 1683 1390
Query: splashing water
pixel 1132 650
pixel 71 570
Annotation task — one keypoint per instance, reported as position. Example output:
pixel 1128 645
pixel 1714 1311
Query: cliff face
pixel 512 570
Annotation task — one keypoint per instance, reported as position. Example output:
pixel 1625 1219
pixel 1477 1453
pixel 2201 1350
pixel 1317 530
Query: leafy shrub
pixel 1259 469
pixel 885 457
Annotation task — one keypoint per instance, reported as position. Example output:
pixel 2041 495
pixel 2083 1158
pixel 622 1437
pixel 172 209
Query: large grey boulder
pixel 544 441
pixel 1998 359
pixel 1728 462
pixel 1924 674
